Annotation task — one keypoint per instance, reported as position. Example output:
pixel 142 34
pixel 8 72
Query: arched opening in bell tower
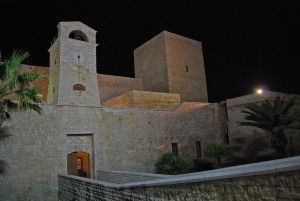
pixel 78 35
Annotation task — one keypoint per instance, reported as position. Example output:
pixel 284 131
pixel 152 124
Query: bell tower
pixel 73 74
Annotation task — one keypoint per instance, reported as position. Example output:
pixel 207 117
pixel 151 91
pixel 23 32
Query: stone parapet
pixel 271 180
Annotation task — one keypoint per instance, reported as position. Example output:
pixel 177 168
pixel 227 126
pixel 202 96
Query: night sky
pixel 246 43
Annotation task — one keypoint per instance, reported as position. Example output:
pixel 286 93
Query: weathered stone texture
pixel 145 99
pixel 32 153
pixel 120 177
pixel 172 64
pixel 73 189
pixel 133 135
pixel 186 73
pixel 116 139
pixel 113 86
pixel 150 64
pixel 259 187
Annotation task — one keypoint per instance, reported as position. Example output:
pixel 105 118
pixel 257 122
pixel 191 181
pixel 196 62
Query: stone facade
pixel 116 136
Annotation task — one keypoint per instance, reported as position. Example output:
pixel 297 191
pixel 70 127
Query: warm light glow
pixel 259 91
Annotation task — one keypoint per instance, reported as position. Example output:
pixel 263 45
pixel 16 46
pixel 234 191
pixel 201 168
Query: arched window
pixel 78 35
pixel 78 87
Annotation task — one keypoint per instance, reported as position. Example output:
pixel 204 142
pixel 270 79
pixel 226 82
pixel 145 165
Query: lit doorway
pixel 79 164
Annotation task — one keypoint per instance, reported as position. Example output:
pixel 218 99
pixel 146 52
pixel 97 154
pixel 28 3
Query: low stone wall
pixel 121 177
pixel 72 188
pixel 271 180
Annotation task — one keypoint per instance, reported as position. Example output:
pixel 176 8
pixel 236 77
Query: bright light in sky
pixel 259 91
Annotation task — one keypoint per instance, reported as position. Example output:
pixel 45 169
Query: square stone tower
pixel 172 63
pixel 73 74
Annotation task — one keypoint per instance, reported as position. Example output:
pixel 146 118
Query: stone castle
pixel 94 122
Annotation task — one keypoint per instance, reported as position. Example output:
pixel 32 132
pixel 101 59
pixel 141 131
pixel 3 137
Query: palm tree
pixel 273 118
pixel 16 90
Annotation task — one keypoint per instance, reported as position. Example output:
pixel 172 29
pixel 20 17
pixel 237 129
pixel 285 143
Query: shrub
pixel 170 163
pixel 218 152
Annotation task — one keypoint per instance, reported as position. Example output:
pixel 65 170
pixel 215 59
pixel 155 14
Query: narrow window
pixel 227 138
pixel 78 87
pixel 198 149
pixel 187 69
pixel 175 148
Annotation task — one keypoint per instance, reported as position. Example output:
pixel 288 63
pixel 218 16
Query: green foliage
pixel 218 152
pixel 16 90
pixel 273 118
pixel 172 164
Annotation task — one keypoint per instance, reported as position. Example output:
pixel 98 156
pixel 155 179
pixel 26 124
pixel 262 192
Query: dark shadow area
pixel 3 134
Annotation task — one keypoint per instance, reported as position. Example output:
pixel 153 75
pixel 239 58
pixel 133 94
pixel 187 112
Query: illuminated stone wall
pixel 172 63
pixel 129 139
pixel 113 86
pixel 145 99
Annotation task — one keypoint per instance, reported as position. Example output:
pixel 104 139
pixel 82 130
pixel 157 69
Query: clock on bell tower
pixel 73 74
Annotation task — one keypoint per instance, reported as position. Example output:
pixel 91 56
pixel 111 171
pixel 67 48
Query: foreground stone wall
pixel 272 180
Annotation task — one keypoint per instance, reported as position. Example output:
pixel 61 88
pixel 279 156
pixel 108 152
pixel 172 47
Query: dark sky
pixel 246 43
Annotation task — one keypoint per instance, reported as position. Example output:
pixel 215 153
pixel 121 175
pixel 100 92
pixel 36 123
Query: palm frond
pixel 12 63
pixel 27 78
pixel 271 117
pixel 255 109
pixel 288 106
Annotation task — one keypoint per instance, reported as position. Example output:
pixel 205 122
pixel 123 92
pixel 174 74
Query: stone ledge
pixel 163 176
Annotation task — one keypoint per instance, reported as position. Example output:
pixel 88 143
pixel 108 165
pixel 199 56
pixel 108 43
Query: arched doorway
pixel 79 164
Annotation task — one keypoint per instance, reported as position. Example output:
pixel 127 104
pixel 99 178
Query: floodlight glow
pixel 259 91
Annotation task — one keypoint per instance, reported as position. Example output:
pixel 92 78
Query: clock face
pixel 77 57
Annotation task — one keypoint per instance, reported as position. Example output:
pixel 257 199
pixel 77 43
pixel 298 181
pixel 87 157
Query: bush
pixel 218 152
pixel 170 163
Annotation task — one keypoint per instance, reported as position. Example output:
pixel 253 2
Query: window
pixel 198 149
pixel 175 148
pixel 78 87
pixel 187 69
